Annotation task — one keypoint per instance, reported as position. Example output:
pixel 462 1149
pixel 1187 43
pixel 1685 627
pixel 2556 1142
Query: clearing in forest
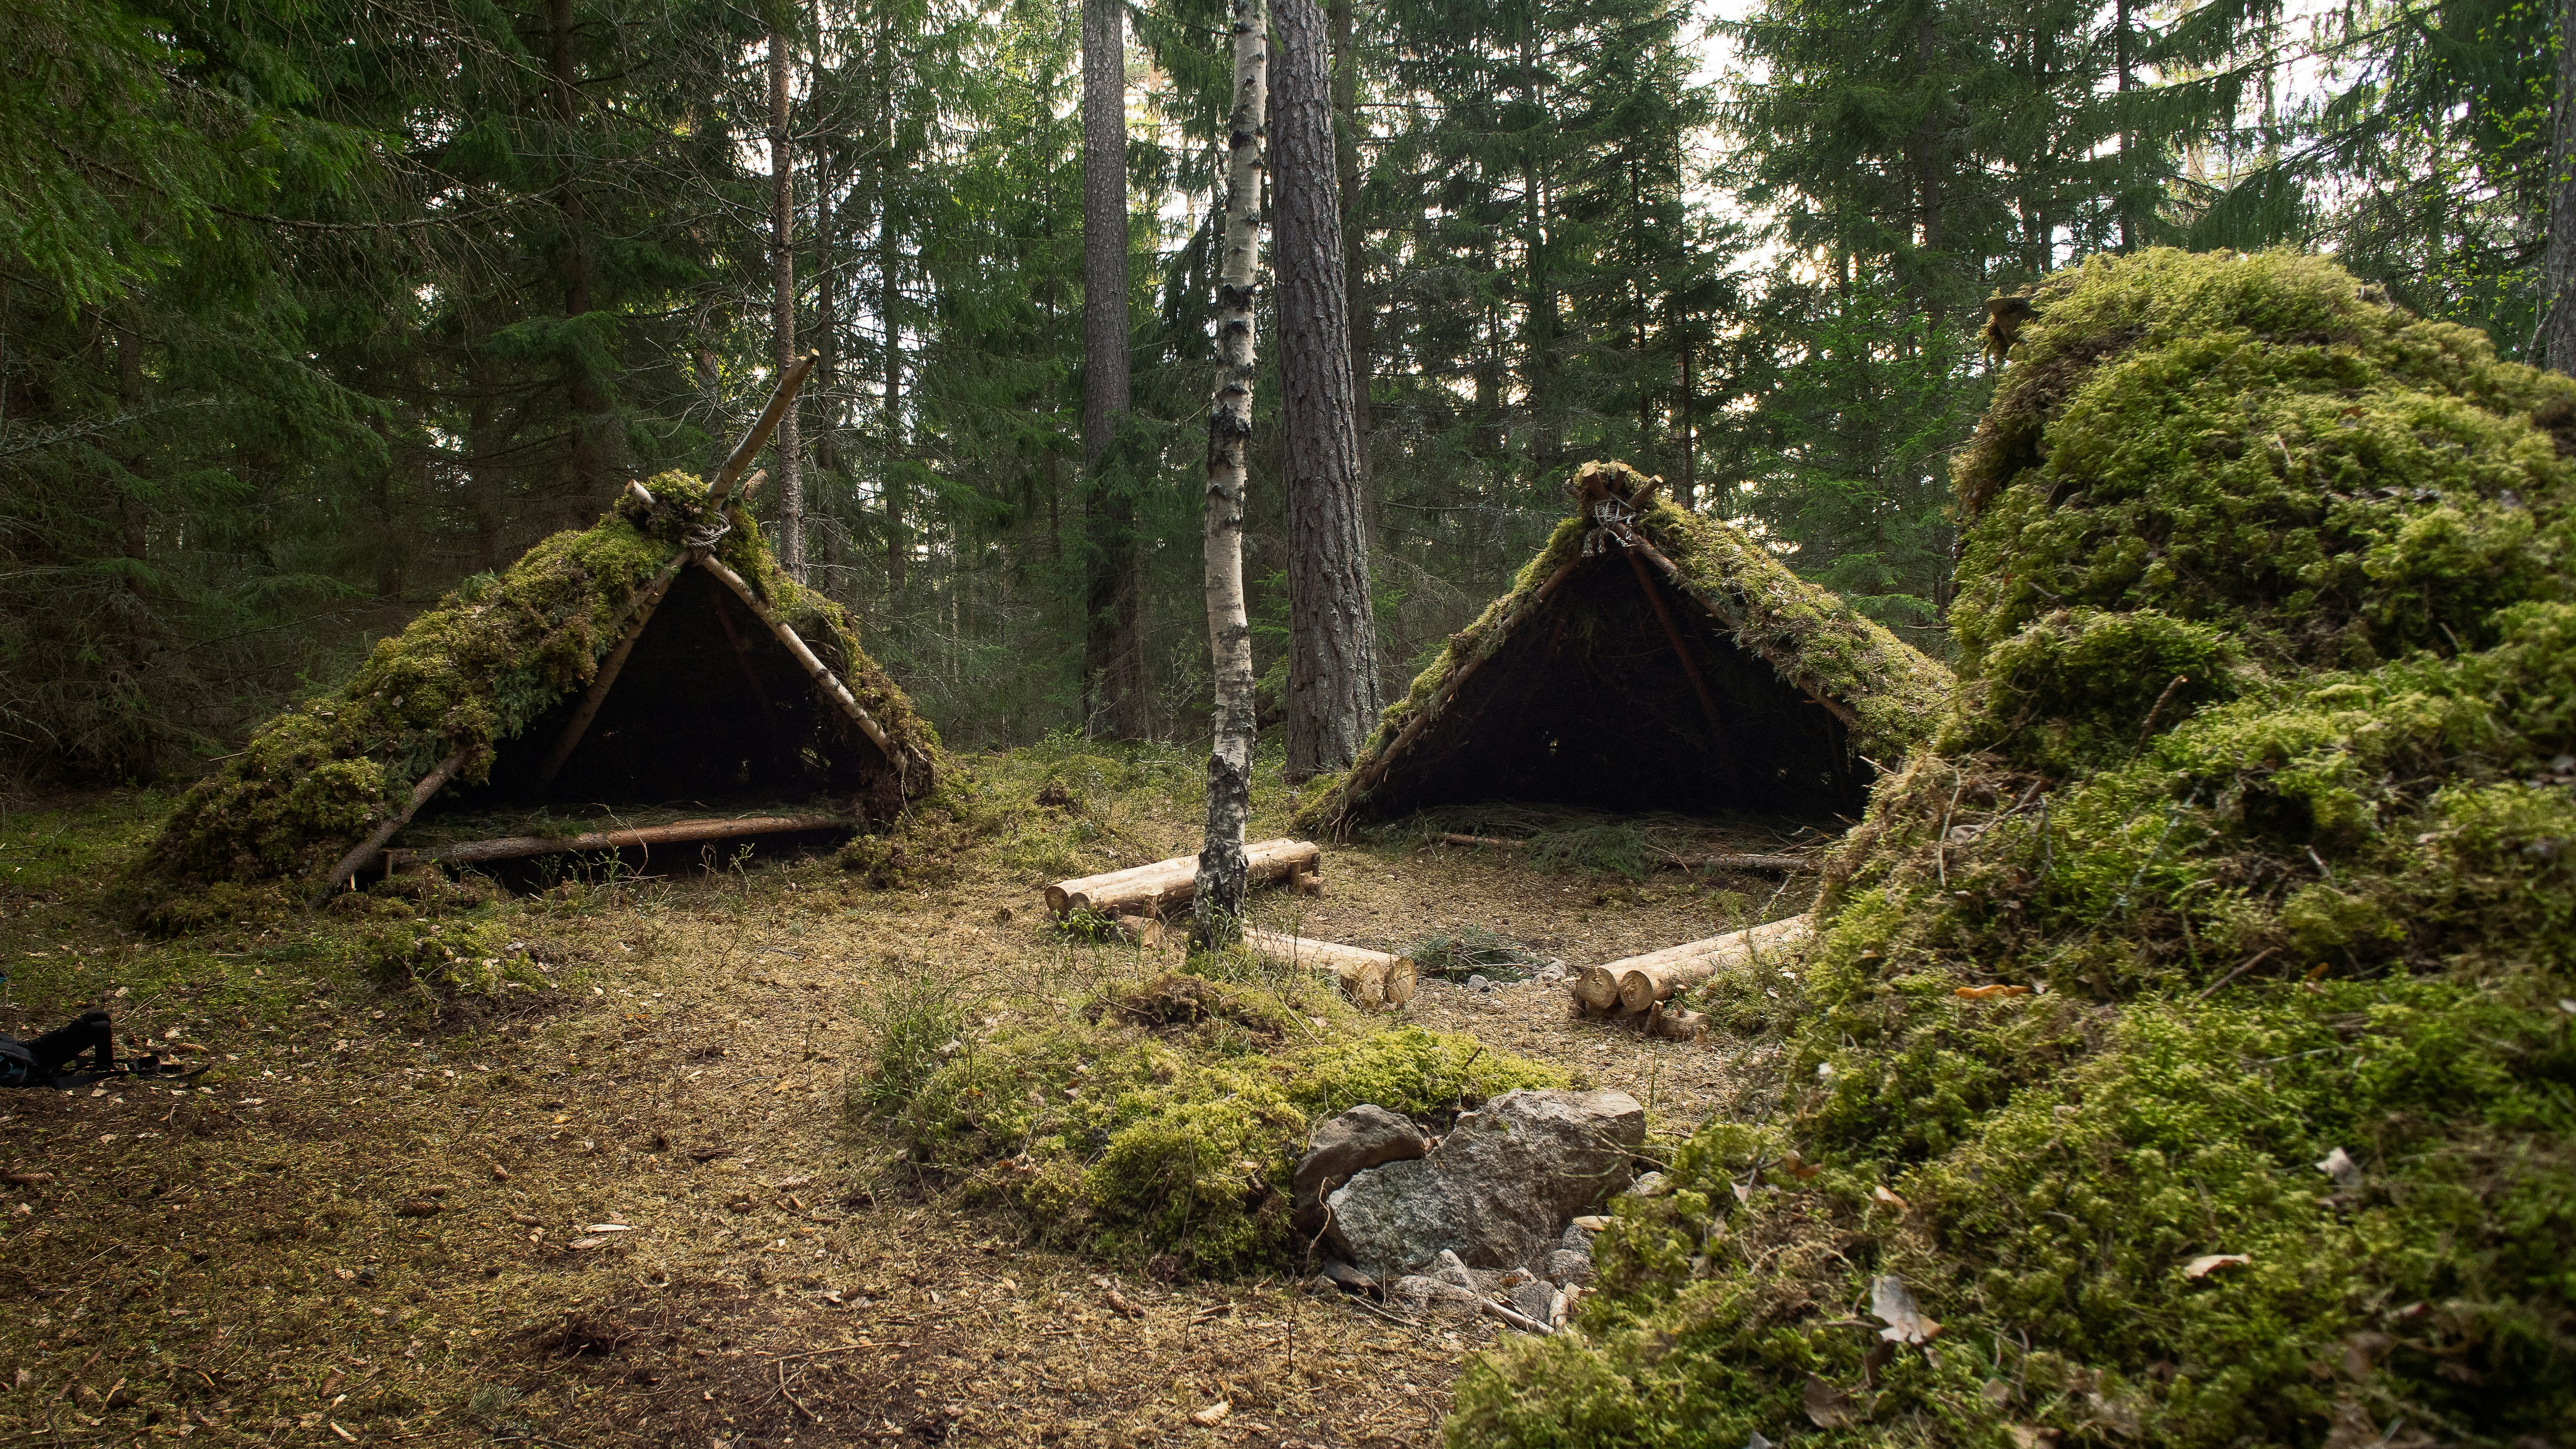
pixel 719 1155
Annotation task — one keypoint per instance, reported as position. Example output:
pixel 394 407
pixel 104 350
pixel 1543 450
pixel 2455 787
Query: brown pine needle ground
pixel 633 1208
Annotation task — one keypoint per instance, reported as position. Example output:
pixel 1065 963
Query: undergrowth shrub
pixel 1166 1118
pixel 2188 1032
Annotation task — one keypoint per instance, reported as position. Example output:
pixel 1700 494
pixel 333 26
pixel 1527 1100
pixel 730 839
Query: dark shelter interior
pixel 1589 702
pixel 710 709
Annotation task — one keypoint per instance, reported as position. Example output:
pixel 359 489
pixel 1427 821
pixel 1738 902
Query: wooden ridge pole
pixel 752 442
pixel 639 613
pixel 366 849
pixel 824 679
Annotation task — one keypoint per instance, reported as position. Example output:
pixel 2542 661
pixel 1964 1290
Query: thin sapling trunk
pixel 1217 903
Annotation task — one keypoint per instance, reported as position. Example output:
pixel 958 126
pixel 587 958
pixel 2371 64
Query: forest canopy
pixel 309 312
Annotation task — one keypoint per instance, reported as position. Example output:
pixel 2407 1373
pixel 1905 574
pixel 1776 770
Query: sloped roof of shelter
pixel 495 674
pixel 1780 696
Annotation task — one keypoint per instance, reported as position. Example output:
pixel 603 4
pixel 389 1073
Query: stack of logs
pixel 1134 900
pixel 1635 991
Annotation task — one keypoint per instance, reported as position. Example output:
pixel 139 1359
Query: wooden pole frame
pixel 823 677
pixel 366 849
pixel 752 442
pixel 681 832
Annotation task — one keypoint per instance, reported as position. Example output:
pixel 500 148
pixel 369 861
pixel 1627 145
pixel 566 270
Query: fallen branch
pixel 1751 860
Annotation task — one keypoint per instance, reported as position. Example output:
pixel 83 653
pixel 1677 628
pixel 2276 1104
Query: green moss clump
pixel 1118 1137
pixel 471 671
pixel 2292 938
pixel 442 959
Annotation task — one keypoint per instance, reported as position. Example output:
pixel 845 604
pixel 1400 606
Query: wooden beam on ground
pixel 752 442
pixel 639 612
pixel 1148 890
pixel 823 678
pixel 427 786
pixel 1638 982
pixel 1771 864
pixel 683 832
pixel 1371 979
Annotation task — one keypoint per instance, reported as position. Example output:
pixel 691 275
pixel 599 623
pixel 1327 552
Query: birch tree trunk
pixel 2555 344
pixel 1216 907
pixel 1332 635
pixel 782 310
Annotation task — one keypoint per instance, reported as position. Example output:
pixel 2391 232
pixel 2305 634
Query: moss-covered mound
pixel 472 673
pixel 1144 1131
pixel 2193 1034
pixel 1567 687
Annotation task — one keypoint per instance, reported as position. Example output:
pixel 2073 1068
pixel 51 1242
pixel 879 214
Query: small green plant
pixel 1474 951
pixel 916 1024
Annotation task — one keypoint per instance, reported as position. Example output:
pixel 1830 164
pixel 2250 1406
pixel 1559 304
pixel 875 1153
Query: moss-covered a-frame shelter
pixel 660 655
pixel 1650 659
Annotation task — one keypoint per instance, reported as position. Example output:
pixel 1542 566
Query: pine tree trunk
pixel 1217 905
pixel 782 311
pixel 1114 700
pixel 890 317
pixel 2555 344
pixel 824 390
pixel 1332 636
pixel 1363 314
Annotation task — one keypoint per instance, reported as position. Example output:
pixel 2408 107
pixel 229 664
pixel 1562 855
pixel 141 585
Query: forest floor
pixel 636 1207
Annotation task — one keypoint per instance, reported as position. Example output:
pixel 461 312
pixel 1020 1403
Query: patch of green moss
pixel 2292 939
pixel 472 670
pixel 1141 1132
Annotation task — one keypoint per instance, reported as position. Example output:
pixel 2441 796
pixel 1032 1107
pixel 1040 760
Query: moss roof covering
pixel 2189 1033
pixel 1888 695
pixel 471 673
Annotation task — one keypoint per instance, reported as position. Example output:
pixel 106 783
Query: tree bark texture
pixel 1150 890
pixel 2555 346
pixel 1346 163
pixel 1332 635
pixel 1216 905
pixel 782 310
pixel 1113 664
pixel 890 315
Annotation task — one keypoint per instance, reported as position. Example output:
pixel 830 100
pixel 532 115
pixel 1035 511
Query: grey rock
pixel 1653 1184
pixel 1576 1238
pixel 1477 983
pixel 1355 1141
pixel 1567 1265
pixel 1417 1292
pixel 1499 1188
pixel 1535 1299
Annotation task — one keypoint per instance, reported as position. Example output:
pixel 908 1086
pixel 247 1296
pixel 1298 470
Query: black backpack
pixel 18 1065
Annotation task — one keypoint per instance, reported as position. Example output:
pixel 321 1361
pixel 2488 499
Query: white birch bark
pixel 1217 905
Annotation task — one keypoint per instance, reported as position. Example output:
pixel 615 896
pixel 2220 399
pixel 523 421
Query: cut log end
pixel 1371 979
pixel 1597 987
